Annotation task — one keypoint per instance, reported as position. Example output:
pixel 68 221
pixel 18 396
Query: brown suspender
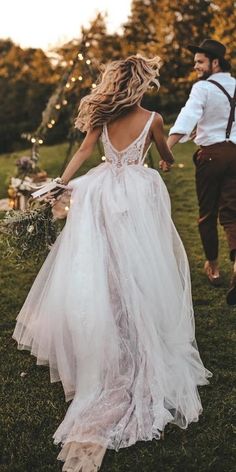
pixel 232 102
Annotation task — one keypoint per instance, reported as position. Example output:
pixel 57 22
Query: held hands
pixel 165 166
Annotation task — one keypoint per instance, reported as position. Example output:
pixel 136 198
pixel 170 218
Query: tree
pixel 166 28
pixel 223 25
pixel 147 32
pixel 148 27
pixel 26 81
pixel 191 23
pixel 78 65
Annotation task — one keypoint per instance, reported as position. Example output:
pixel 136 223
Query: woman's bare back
pixel 126 129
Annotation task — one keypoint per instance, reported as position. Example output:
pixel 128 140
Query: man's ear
pixel 215 64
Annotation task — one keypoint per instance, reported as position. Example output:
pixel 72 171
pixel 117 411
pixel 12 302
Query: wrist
pixel 60 181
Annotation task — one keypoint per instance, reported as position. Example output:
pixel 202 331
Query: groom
pixel 211 107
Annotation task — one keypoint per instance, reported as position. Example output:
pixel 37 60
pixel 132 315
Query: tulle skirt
pixel 111 313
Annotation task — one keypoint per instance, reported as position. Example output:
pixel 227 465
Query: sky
pixel 46 23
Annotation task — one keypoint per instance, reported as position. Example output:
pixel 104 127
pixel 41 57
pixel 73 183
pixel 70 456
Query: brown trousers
pixel 216 192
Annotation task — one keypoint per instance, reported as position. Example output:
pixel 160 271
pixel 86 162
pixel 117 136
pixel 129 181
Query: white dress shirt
pixel 208 108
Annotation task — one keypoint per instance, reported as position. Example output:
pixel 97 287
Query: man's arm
pixel 190 115
pixel 174 139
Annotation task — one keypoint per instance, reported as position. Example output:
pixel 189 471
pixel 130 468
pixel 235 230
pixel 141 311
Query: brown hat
pixel 215 48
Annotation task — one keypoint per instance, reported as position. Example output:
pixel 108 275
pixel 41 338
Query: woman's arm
pixel 83 153
pixel 158 137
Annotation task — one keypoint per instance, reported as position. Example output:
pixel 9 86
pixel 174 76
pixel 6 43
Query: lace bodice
pixel 135 153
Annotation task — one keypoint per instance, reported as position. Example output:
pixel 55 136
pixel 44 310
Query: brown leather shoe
pixel 213 274
pixel 231 294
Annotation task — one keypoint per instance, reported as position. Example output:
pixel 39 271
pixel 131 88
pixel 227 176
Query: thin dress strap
pixel 145 133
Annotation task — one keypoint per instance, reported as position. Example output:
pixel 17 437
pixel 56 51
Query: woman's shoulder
pixel 156 117
pixel 157 120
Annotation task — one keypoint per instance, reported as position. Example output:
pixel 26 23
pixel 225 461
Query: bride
pixel 110 311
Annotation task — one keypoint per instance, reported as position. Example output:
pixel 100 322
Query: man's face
pixel 202 66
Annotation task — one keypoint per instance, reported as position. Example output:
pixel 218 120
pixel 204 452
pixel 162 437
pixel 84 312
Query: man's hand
pixel 193 134
pixel 165 166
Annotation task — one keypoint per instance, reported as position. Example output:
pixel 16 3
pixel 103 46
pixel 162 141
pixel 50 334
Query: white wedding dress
pixel 111 312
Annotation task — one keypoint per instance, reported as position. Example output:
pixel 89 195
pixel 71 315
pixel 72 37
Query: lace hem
pixel 81 457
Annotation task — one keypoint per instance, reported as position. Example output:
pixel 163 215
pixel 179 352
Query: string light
pixel 57 100
pixel 35 140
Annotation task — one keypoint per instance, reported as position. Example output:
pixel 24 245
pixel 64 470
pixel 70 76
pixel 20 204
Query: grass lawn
pixel 32 408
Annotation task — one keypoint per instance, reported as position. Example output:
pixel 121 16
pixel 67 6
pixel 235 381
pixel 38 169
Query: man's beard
pixel 206 74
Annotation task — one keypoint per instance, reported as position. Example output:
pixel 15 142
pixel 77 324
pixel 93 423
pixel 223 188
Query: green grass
pixel 51 160
pixel 32 408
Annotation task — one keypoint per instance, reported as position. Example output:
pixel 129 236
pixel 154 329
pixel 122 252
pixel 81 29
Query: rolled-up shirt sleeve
pixel 191 113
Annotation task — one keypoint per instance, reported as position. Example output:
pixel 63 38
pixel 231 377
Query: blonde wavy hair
pixel 122 85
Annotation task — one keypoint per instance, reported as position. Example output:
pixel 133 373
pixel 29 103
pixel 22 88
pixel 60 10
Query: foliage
pixel 29 77
pixel 26 81
pixel 28 233
pixel 164 28
pixel 25 165
pixel 94 47
pixel 223 23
